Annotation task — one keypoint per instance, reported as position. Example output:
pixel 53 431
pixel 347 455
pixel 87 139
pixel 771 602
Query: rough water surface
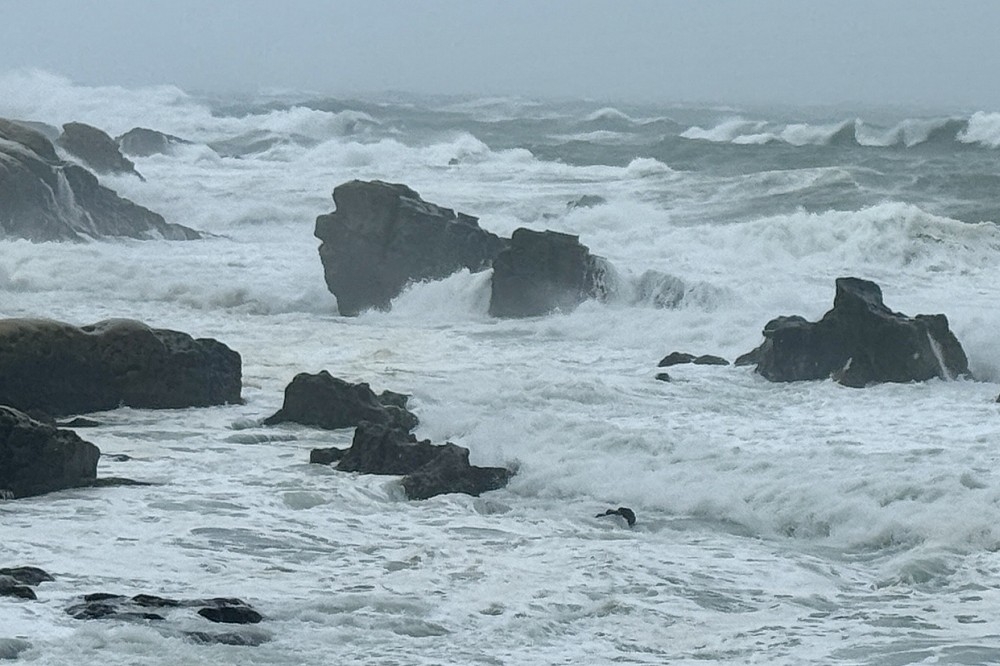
pixel 777 524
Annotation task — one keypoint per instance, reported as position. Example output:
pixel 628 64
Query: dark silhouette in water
pixel 623 511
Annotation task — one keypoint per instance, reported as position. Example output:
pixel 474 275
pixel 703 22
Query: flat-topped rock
pixel 58 368
pixel 383 236
pixel 859 342
pixel 543 271
pixel 43 198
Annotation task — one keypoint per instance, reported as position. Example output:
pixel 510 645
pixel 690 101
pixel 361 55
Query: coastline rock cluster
pixel 43 198
pixel 382 442
pixel 383 237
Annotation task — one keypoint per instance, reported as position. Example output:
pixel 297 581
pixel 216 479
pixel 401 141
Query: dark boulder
pixel 142 142
pixel 859 342
pixel 326 456
pixel 383 236
pixel 450 472
pixel 622 511
pixel 95 148
pixel 427 469
pixel 542 271
pixel 662 377
pixel 239 614
pixel 43 198
pixel 681 358
pixel 328 402
pixel 63 369
pixel 36 458
pixel 27 575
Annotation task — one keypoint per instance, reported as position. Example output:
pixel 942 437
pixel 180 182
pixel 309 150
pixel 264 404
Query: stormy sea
pixel 776 522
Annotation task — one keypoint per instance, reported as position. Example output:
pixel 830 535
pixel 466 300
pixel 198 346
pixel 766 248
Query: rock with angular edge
pixel 427 469
pixel 43 198
pixel 61 369
pixel 383 236
pixel 97 150
pixel 543 271
pixel 36 458
pixel 859 342
pixel 329 402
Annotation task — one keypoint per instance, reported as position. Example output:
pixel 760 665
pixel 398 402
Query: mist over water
pixel 780 524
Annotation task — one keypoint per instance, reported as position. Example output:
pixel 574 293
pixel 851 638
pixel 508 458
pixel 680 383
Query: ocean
pixel 777 523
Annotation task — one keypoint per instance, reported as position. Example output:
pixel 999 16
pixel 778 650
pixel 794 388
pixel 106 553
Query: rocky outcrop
pixel 427 469
pixel 143 142
pixel 543 271
pixel 383 236
pixel 328 402
pixel 61 369
pixel 859 342
pixel 95 148
pixel 36 458
pixel 682 358
pixel 43 198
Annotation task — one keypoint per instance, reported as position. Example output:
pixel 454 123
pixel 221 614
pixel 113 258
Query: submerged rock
pixel 97 150
pixel 623 511
pixel 63 369
pixel 681 358
pixel 543 271
pixel 36 458
pixel 160 610
pixel 428 469
pixel 328 402
pixel 143 142
pixel 383 236
pixel 859 342
pixel 43 198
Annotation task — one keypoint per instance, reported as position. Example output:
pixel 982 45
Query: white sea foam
pixel 786 523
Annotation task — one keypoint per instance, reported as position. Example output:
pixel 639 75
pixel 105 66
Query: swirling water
pixel 778 524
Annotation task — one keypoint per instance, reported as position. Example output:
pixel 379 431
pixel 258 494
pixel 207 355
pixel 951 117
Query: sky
pixel 942 53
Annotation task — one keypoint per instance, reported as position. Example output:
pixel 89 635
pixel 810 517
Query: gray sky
pixel 941 53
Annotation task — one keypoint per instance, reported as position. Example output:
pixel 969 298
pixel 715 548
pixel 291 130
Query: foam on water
pixel 778 523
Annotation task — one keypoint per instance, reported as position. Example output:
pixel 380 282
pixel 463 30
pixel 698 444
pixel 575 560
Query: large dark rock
pixel 95 148
pixel 143 142
pixel 328 402
pixel 681 358
pixel 43 198
pixel 62 369
pixel 542 271
pixel 383 236
pixel 427 469
pixel 36 458
pixel 859 342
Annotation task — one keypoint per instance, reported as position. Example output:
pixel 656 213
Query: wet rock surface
pixel 63 369
pixel 859 342
pixel 36 458
pixel 383 236
pixel 328 402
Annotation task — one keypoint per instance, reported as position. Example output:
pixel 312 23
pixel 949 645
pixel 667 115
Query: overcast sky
pixel 942 52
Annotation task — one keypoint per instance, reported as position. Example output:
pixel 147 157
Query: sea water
pixel 777 523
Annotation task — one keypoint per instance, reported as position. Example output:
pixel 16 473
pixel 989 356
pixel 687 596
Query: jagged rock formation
pixel 36 458
pixel 43 198
pixel 543 271
pixel 383 236
pixel 328 402
pixel 95 148
pixel 427 469
pixel 143 142
pixel 859 342
pixel 59 368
